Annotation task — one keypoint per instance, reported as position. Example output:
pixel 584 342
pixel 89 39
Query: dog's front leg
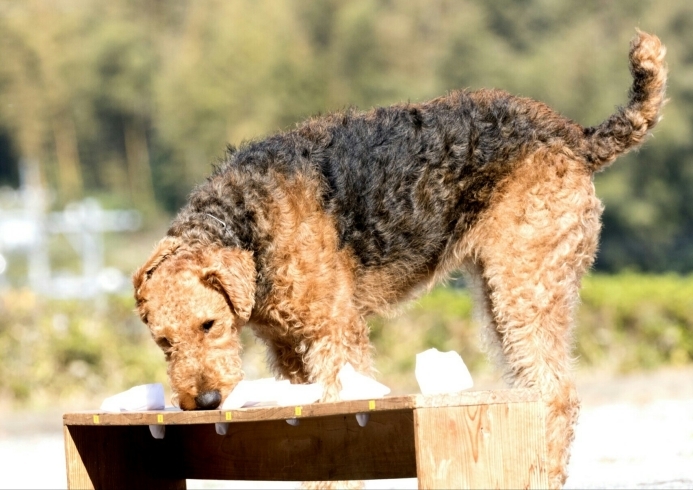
pixel 333 346
pixel 327 354
pixel 315 351
pixel 317 356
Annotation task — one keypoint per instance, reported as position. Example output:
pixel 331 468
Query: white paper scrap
pixel 441 372
pixel 254 393
pixel 142 397
pixel 356 386
pixel 300 394
pixel 269 392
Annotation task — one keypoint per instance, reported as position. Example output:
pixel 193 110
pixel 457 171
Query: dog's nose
pixel 208 400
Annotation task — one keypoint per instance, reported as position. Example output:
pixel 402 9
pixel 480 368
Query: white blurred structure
pixel 25 227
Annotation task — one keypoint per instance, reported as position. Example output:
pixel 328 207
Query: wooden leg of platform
pixel 119 457
pixel 481 446
pixel 77 476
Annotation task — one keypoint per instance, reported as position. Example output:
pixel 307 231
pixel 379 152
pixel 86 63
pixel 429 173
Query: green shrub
pixel 632 321
pixel 624 322
pixel 72 352
pixel 60 352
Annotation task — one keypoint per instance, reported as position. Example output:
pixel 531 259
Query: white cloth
pixel 270 391
pixel 356 386
pixel 142 397
pixel 441 372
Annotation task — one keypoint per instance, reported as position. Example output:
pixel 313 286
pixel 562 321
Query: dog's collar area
pixel 223 224
pixel 225 234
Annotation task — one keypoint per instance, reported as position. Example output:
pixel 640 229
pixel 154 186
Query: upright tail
pixel 628 127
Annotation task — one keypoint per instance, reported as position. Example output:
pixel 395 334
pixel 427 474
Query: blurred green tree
pixel 134 101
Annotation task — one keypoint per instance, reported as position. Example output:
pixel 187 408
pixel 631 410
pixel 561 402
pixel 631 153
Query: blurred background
pixel 110 112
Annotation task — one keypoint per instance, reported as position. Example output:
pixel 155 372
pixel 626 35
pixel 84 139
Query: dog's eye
pixel 207 325
pixel 163 343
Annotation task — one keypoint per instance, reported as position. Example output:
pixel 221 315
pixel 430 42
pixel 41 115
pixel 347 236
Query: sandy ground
pixel 635 431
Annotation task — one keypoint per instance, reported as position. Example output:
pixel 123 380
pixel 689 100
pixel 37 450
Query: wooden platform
pixel 478 439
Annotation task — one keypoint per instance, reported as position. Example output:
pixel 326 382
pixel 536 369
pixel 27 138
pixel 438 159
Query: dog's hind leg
pixel 532 249
pixel 535 350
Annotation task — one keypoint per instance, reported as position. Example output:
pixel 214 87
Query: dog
pixel 303 235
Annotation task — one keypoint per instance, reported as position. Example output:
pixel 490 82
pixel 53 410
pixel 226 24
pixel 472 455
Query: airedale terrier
pixel 304 234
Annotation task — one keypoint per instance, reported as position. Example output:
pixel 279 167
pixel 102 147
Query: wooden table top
pixel 174 416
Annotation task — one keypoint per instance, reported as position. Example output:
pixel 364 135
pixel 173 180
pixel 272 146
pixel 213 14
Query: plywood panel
pixel 322 448
pixel 483 446
pixel 77 475
pixel 120 457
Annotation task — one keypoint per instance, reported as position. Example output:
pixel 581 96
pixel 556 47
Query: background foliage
pixel 75 353
pixel 132 101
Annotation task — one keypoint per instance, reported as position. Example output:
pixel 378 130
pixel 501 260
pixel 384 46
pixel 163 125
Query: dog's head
pixel 195 301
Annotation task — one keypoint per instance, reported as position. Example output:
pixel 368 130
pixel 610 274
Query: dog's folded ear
pixel 232 272
pixel 165 248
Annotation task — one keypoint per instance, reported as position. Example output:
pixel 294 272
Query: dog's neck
pixel 206 229
pixel 223 225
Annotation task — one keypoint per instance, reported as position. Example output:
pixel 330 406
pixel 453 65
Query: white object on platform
pixel 253 393
pixel 142 397
pixel 268 392
pixel 356 386
pixel 441 372
pixel 300 394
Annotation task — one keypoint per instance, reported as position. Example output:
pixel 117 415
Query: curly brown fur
pixel 304 234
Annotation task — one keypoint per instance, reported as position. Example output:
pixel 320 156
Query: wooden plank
pixel 473 398
pixel 77 475
pixel 319 448
pixel 120 457
pixel 483 446
pixel 176 417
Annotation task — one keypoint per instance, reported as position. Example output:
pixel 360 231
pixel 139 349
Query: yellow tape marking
pixel 160 418
pixel 298 411
pixel 96 419
pixel 371 404
pixel 228 415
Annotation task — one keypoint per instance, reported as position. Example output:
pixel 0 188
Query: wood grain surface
pixel 178 417
pixel 476 439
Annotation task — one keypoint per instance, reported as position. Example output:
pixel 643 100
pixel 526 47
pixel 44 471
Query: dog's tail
pixel 628 127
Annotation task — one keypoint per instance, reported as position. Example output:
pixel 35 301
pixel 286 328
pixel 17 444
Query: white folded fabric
pixel 270 391
pixel 142 397
pixel 356 386
pixel 254 393
pixel 300 394
pixel 441 372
